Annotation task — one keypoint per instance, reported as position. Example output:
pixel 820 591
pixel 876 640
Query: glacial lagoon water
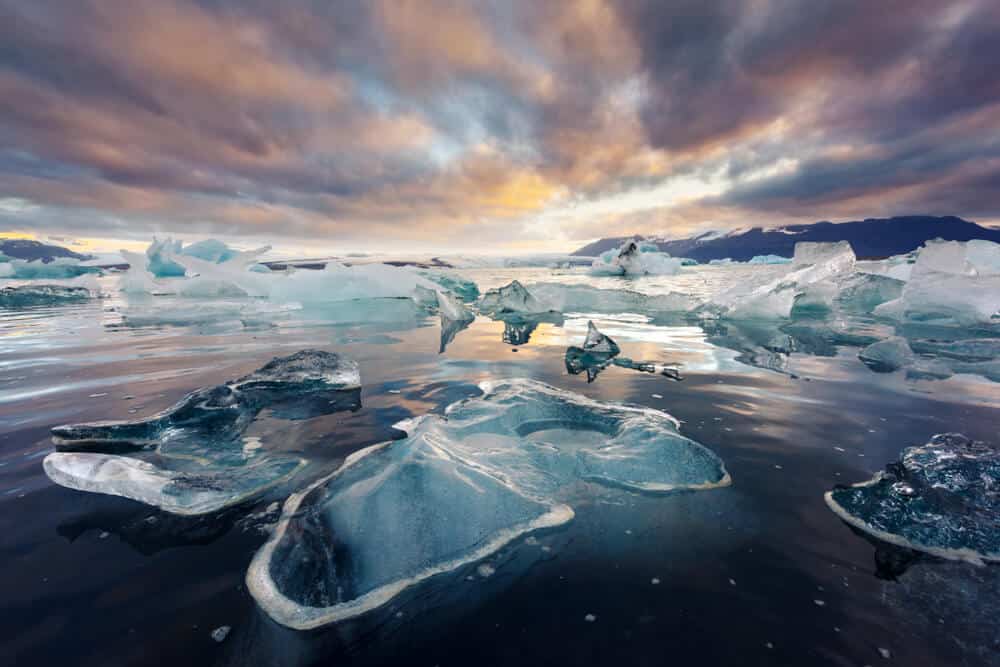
pixel 758 571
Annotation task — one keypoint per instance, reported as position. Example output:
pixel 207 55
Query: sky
pixel 506 126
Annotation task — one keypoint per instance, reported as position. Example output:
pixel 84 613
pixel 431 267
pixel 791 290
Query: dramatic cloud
pixel 518 124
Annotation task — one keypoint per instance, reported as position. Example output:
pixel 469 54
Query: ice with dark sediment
pixel 941 498
pixel 636 258
pixel 26 296
pixel 458 488
pixel 201 461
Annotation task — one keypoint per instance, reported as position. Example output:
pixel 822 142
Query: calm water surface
pixel 760 572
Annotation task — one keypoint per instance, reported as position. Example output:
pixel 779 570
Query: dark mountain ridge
pixel 872 238
pixel 35 250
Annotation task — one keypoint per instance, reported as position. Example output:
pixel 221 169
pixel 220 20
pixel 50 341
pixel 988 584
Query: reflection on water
pixel 99 580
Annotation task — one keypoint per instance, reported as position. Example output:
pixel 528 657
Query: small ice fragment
pixel 656 395
pixel 885 653
pixel 819 603
pixel 590 618
pixel 732 582
pixel 221 632
pixel 655 581
pixel 99 395
pixel 485 570
pixel 394 391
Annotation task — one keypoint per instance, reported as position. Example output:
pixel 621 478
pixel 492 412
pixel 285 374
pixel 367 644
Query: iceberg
pixel 941 498
pixel 636 258
pixel 199 441
pixel 27 296
pixel 337 282
pixel 455 317
pixel 162 255
pixel 769 259
pixel 887 355
pixel 511 298
pixel 457 489
pixel 60 268
pixel 464 289
pixel 807 281
pixel 952 282
pixel 584 298
pixel 594 356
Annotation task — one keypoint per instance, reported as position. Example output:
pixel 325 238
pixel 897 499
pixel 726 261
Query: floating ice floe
pixel 951 282
pixel 26 296
pixel 455 317
pixel 887 355
pixel 60 268
pixel 599 351
pixel 941 498
pixel 456 490
pixel 199 441
pixel 769 259
pixel 636 258
pixel 584 298
pixel 511 298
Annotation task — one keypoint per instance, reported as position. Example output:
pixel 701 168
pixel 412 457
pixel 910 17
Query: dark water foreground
pixel 760 572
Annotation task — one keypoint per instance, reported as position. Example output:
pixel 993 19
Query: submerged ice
pixel 458 488
pixel 198 443
pixel 941 498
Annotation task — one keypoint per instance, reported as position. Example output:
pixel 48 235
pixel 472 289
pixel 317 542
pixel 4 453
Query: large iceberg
pixel 457 489
pixel 808 282
pixel 941 498
pixel 636 258
pixel 951 282
pixel 204 461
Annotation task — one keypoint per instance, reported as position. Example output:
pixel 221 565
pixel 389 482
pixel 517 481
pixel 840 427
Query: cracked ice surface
pixel 199 441
pixel 942 498
pixel 458 488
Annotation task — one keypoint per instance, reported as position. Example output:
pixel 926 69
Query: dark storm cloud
pixel 440 117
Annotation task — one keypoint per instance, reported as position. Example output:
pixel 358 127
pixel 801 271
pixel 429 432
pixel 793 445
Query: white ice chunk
pixel 635 258
pixel 584 298
pixel 951 283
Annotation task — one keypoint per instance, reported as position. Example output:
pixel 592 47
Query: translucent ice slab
pixel 458 488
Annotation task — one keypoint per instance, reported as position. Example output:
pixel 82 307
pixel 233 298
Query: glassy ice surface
pixel 942 498
pixel 457 489
pixel 785 400
pixel 212 464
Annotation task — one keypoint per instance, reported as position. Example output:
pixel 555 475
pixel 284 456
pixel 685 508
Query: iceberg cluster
pixel 941 498
pixel 458 488
pixel 636 258
pixel 204 463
